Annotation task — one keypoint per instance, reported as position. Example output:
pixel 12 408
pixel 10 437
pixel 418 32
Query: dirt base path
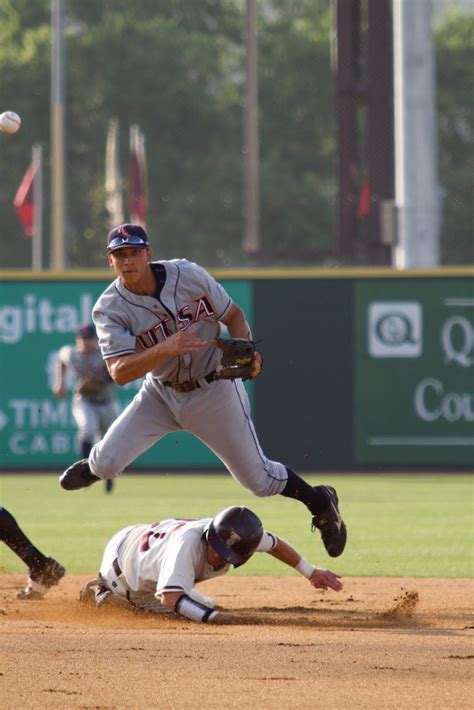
pixel 381 643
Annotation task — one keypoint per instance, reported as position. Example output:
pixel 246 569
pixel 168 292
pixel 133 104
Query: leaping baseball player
pixel 155 567
pixel 162 320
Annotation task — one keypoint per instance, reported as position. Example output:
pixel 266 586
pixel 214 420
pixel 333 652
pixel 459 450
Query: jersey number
pixel 157 535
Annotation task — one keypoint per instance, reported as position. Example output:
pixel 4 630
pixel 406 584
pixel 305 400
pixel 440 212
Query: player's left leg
pixel 44 571
pixel 227 428
pixel 144 422
pixel 86 420
pixel 323 503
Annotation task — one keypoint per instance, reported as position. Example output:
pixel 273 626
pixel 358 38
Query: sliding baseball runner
pixel 157 567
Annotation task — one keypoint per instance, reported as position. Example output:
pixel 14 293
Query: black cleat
pixel 77 476
pixel 41 579
pixel 330 524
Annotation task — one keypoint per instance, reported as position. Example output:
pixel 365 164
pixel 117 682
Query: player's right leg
pixel 146 420
pixel 78 475
pixel 106 415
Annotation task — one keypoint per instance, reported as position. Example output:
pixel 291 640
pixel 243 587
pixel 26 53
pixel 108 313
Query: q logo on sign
pixel 395 329
pixel 457 340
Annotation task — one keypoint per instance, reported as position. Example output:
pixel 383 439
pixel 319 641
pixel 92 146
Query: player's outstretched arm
pixel 236 323
pixel 193 609
pixel 318 577
pixel 59 388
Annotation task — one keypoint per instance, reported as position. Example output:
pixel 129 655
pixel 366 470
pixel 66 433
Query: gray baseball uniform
pixel 94 411
pixel 217 412
pixel 141 562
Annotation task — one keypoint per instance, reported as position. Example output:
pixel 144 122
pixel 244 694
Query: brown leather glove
pixel 240 359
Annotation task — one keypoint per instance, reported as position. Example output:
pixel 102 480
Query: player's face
pixel 130 263
pixel 86 345
pixel 214 559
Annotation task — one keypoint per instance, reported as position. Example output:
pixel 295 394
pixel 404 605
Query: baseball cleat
pixel 77 476
pixel 97 595
pixel 42 579
pixel 102 593
pixel 330 524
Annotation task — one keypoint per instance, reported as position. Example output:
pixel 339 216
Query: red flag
pixel 25 200
pixel 137 178
pixel 363 207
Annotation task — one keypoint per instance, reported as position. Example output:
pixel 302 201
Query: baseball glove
pixel 88 387
pixel 240 359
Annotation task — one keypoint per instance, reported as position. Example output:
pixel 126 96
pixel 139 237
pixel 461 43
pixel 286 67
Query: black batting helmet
pixel 234 534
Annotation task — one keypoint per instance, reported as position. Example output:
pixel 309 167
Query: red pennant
pixel 25 201
pixel 363 208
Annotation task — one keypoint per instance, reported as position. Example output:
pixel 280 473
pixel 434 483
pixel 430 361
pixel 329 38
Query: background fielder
pixel 155 567
pixel 160 319
pixel 94 404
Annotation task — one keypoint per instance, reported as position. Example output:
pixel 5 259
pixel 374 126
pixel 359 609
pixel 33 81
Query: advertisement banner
pixel 37 430
pixel 414 372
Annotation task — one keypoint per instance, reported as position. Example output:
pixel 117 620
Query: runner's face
pixel 214 559
pixel 130 263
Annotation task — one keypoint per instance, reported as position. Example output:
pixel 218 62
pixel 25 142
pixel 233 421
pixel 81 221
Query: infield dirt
pixel 380 643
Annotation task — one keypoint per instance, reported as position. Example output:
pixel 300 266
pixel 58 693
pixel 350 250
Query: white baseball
pixel 10 122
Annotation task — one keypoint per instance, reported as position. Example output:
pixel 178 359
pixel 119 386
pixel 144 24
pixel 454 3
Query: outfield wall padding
pixel 363 369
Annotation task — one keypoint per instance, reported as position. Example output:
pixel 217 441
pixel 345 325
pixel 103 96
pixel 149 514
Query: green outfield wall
pixel 363 369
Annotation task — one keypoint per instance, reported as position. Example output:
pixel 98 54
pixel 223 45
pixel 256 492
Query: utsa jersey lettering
pixel 184 318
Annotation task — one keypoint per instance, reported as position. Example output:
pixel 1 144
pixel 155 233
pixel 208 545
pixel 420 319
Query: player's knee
pixel 266 479
pixel 262 489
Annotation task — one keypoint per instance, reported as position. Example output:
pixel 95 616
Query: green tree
pixel 455 81
pixel 176 68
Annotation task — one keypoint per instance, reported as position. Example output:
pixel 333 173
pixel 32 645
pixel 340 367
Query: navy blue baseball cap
pixel 127 235
pixel 86 331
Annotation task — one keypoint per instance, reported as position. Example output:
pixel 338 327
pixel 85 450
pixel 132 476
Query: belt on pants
pixel 189 385
pixel 116 567
pixel 118 572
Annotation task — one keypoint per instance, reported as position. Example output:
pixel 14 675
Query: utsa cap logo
pixel 127 235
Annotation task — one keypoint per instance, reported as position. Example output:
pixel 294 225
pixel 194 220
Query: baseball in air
pixel 10 122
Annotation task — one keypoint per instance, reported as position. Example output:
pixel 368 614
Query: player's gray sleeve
pixel 114 337
pixel 221 300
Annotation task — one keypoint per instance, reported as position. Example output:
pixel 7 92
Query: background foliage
pixel 176 69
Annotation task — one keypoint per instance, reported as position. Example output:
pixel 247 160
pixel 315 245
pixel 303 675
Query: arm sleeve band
pixel 194 610
pixel 305 568
pixel 267 543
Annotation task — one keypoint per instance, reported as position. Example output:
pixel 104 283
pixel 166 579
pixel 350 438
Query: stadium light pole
pixel 251 240
pixel 417 191
pixel 58 174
